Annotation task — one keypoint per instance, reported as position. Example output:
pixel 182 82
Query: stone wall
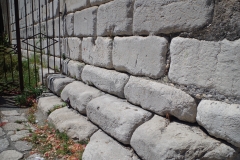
pixel 158 78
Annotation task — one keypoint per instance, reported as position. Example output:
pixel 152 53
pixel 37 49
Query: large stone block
pixel 99 52
pixel 161 99
pixel 115 18
pixel 79 95
pixel 58 27
pixel 156 138
pixel 69 24
pixel 116 117
pixel 46 104
pixel 98 2
pixel 76 5
pixel 212 65
pixel 102 147
pixel 142 56
pixel 75 125
pixel 73 48
pixel 220 119
pixel 107 80
pixel 43 73
pixel 85 22
pixel 154 17
pixel 75 69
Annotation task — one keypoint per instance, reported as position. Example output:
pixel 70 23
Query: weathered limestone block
pixel 154 17
pixel 11 154
pixel 115 18
pixel 54 63
pixel 156 138
pixel 220 119
pixel 98 53
pixel 161 99
pixel 43 74
pixel 76 5
pixel 212 65
pixel 116 117
pixel 69 24
pixel 80 95
pixel 102 147
pixel 85 22
pixel 57 82
pixel 107 80
pixel 75 125
pixel 75 69
pixel 56 8
pixel 45 104
pixel 74 48
pixel 142 56
pixel 58 33
pixel 50 29
pixel 98 2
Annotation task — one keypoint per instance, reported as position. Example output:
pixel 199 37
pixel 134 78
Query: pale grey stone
pixel 161 99
pixel 54 63
pixel 69 24
pixel 80 95
pixel 74 48
pixel 76 5
pixel 115 18
pixel 60 83
pixel 98 2
pixel 142 56
pixel 19 135
pixel 75 125
pixel 75 69
pixel 220 119
pixel 155 17
pixel 45 104
pixel 212 65
pixel 23 146
pixel 2 133
pixel 106 80
pixel 10 113
pixel 15 119
pixel 43 74
pixel 159 138
pixel 12 126
pixel 11 155
pixel 85 22
pixel 102 147
pixel 116 116
pixel 99 52
pixel 58 32
pixel 3 144
pixel 35 156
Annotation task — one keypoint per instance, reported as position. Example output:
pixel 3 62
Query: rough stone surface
pixel 75 69
pixel 107 80
pixel 98 2
pixel 79 95
pixel 99 52
pixel 12 126
pixel 10 113
pixel 69 25
pixel 156 138
pixel 85 22
pixel 2 133
pixel 146 58
pixel 102 147
pixel 154 17
pixel 23 146
pixel 45 104
pixel 75 125
pixel 19 135
pixel 115 18
pixel 3 144
pixel 15 118
pixel 116 116
pixel 161 99
pixel 74 48
pixel 43 74
pixel 212 65
pixel 11 155
pixel 73 5
pixel 221 120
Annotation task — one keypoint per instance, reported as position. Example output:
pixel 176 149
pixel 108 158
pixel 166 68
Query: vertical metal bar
pixel 59 15
pixel 34 49
pixel 47 35
pixel 8 17
pixel 18 45
pixel 40 30
pixel 54 56
pixel 25 7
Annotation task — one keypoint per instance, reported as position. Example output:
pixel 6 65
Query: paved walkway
pixel 13 127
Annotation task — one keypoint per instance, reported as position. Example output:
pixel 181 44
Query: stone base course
pixel 159 138
pixel 161 99
pixel 221 120
pixel 116 116
pixel 75 69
